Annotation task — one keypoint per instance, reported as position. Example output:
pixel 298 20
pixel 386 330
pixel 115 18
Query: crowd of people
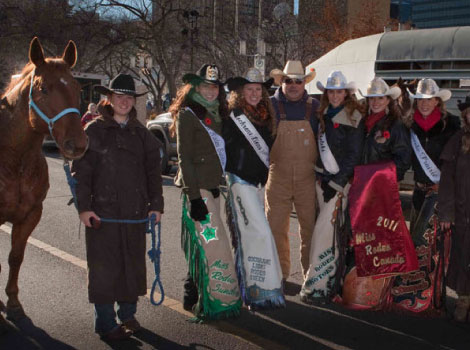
pixel 337 161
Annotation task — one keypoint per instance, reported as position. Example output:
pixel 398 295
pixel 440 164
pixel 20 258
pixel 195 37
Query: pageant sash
pixel 257 261
pixel 217 141
pixel 253 137
pixel 431 170
pixel 207 250
pixel 327 158
pixel 382 242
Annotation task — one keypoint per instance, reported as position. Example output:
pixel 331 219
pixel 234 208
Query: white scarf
pixel 431 170
pixel 253 137
pixel 217 141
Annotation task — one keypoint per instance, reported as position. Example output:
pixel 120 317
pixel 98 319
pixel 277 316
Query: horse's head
pixel 54 99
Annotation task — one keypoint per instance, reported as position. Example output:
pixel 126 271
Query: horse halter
pixel 49 121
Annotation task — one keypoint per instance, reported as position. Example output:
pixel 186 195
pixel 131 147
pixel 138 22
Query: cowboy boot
pixel 190 296
pixel 461 308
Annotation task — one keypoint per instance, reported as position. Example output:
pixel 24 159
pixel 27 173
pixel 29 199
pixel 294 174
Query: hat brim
pixel 351 86
pixel 237 82
pixel 443 94
pixel 278 75
pixel 394 92
pixel 106 91
pixel 194 79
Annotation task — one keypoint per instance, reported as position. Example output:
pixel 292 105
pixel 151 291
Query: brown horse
pixel 45 87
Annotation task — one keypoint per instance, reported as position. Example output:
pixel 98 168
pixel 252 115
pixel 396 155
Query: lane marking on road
pixel 224 326
pixel 172 304
pixel 380 327
pixel 306 335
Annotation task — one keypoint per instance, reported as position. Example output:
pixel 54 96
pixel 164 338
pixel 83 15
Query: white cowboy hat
pixel 251 76
pixel 427 88
pixel 337 81
pixel 294 70
pixel 378 88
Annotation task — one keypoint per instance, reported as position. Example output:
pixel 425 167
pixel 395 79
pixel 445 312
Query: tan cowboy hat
pixel 427 88
pixel 294 70
pixel 337 81
pixel 378 88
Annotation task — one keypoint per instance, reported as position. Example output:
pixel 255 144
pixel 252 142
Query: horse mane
pixel 58 63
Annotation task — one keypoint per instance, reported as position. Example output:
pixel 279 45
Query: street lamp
pixel 191 16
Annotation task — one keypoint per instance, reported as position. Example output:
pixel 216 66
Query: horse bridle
pixel 49 121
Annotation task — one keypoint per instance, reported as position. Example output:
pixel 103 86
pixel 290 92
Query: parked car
pixel 160 128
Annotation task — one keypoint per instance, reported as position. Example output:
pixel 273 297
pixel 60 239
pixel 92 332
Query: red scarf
pixel 430 121
pixel 372 119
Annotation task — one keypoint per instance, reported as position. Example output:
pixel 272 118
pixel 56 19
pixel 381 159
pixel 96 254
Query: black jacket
pixel 397 147
pixel 242 159
pixel 346 142
pixel 433 142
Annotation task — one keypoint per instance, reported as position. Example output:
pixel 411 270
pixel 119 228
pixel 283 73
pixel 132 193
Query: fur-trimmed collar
pixel 342 118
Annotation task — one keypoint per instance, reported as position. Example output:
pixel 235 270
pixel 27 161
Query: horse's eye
pixel 43 89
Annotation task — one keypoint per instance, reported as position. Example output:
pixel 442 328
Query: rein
pixel 49 121
pixel 154 253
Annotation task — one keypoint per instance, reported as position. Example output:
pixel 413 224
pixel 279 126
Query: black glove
pixel 328 191
pixel 198 209
pixel 215 192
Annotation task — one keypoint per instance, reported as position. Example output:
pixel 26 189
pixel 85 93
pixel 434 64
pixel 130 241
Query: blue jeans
pixel 105 315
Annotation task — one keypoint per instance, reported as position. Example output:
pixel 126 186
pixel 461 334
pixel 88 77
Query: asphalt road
pixel 54 295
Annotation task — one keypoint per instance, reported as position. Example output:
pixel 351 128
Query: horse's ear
pixel 36 53
pixel 70 54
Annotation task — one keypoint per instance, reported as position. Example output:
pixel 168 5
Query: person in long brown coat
pixel 119 177
pixel 454 209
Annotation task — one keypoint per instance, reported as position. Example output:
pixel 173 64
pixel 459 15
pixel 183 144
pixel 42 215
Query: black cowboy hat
pixel 208 73
pixel 121 84
pixel 251 76
pixel 464 105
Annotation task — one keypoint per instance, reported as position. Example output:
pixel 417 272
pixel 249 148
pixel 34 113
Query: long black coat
pixel 396 148
pixel 119 177
pixel 454 206
pixel 242 159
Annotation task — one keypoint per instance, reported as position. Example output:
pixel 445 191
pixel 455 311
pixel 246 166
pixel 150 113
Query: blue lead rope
pixel 154 253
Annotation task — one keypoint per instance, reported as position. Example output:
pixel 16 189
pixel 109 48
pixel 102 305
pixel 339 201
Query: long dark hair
pixel 466 129
pixel 394 113
pixel 182 101
pixel 350 104
pixel 237 100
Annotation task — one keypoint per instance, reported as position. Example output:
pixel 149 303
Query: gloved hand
pixel 215 192
pixel 198 209
pixel 328 191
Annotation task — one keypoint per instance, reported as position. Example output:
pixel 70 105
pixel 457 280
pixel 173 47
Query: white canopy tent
pixel 355 58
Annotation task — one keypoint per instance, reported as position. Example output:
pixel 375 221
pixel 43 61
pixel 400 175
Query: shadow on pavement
pixel 326 324
pixel 25 335
pixel 156 341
